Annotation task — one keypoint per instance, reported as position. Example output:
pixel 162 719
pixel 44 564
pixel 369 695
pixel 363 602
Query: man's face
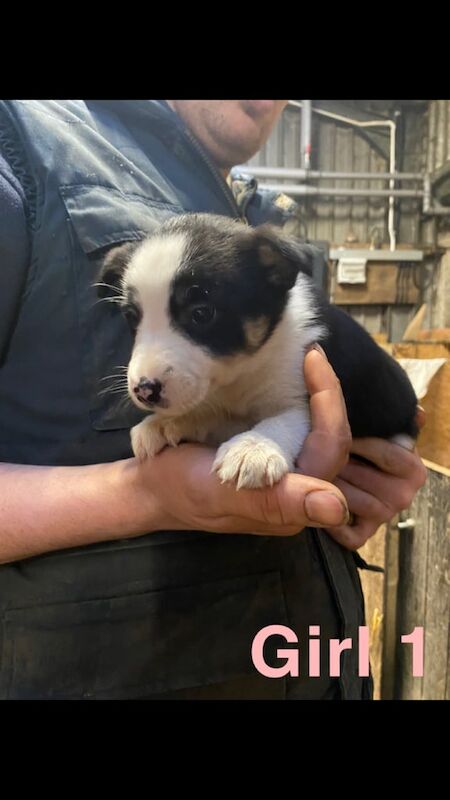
pixel 232 131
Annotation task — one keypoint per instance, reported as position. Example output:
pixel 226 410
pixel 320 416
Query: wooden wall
pixel 413 591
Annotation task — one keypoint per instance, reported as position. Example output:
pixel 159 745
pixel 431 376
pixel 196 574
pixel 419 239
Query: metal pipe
pixel 298 189
pixel 428 209
pixel 441 132
pixel 375 255
pixel 432 115
pixel 370 124
pixel 426 194
pixel 293 172
pixel 340 118
pixel 391 226
pixel 305 134
pixel 439 211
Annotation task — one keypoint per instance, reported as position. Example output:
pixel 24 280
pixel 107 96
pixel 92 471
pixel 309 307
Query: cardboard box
pixel 434 439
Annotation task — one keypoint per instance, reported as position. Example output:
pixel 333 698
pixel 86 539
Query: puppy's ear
pixel 113 267
pixel 283 257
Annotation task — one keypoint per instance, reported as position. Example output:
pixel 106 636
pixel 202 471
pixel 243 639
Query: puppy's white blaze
pixel 160 352
pixel 151 272
pixel 154 263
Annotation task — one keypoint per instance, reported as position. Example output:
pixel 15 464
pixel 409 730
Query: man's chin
pixel 258 108
pixel 236 153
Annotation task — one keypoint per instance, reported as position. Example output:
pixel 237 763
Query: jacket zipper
pixel 226 191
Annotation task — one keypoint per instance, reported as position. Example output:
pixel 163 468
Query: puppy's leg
pixel 264 454
pixel 152 434
pixel 147 438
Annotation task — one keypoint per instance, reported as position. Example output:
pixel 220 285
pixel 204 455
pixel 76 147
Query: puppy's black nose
pixel 148 391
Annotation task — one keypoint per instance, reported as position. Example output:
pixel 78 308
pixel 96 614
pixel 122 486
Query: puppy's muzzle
pixel 149 392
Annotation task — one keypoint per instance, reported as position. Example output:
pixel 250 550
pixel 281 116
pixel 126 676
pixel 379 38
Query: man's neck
pixel 225 171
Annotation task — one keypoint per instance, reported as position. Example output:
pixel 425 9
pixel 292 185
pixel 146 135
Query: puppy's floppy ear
pixel 113 267
pixel 282 256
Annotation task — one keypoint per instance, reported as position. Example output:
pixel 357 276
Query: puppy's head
pixel 203 294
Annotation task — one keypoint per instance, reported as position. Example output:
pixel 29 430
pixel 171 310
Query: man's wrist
pixel 135 497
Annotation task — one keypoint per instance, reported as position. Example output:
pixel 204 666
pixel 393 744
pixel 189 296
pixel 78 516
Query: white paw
pixel 151 435
pixel 251 460
pixel 147 439
pixel 172 432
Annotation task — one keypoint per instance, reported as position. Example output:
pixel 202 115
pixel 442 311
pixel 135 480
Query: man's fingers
pixel 368 514
pixel 393 492
pixel 355 536
pixel 323 455
pixel 327 404
pixel 326 448
pixel 421 417
pixel 389 458
pixel 362 504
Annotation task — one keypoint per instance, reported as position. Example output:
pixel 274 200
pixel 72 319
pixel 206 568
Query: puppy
pixel 222 315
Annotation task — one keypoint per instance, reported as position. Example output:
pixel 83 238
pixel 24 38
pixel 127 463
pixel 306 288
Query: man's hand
pixel 190 497
pixel 376 493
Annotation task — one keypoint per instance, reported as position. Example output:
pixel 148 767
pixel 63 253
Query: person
pixel 127 580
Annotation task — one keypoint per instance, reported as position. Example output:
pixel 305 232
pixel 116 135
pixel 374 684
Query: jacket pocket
pixel 99 217
pixel 141 644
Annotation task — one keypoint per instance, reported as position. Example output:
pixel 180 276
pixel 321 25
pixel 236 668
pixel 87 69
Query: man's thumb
pixel 302 500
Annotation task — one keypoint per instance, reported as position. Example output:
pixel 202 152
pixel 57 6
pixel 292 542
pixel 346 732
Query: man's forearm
pixel 51 508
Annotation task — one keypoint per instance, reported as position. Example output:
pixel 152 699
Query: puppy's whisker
pixel 108 286
pixel 112 391
pixel 119 385
pixel 117 300
pixel 122 404
pixel 120 379
pixel 115 375
pixel 116 385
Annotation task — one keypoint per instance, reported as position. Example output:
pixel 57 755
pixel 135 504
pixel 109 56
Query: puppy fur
pixel 222 315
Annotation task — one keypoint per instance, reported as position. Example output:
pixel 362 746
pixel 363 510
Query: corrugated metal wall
pixel 339 147
pixel 334 148
pixel 342 148
pixel 438 150
pixel 437 230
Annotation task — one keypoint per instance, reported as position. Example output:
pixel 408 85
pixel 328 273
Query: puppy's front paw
pixel 251 460
pixel 147 439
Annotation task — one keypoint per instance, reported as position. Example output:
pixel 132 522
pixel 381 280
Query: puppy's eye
pixel 201 315
pixel 132 315
pixel 196 294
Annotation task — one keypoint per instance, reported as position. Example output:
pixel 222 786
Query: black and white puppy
pixel 222 315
